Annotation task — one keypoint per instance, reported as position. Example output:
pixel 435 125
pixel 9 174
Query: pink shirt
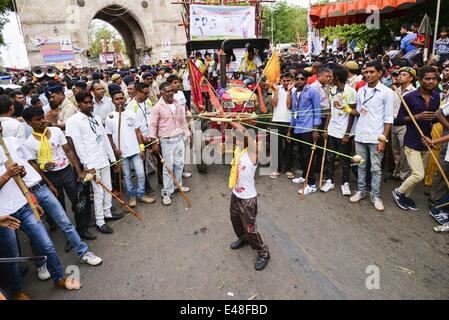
pixel 165 123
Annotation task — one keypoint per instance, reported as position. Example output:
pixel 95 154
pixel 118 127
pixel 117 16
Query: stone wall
pixel 146 24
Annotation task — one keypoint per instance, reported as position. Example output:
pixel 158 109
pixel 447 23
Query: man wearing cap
pixel 57 99
pixel 406 78
pixel 117 79
pixel 148 78
pixel 353 70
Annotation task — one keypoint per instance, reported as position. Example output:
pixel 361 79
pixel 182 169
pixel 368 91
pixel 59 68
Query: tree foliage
pixel 290 22
pixel 95 36
pixel 5 7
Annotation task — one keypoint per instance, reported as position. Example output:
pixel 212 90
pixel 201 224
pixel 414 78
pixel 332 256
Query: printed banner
pixel 222 22
pixel 57 51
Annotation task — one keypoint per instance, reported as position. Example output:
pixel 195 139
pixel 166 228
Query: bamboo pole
pixel 308 171
pixel 322 162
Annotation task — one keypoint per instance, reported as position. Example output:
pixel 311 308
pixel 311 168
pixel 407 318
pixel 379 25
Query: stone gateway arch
pixel 149 27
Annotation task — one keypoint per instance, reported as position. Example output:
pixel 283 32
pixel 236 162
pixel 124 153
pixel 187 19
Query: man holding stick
pixel 244 196
pixel 423 103
pixel 131 147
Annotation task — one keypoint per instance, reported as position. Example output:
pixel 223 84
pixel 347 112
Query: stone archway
pixel 129 28
pixel 143 24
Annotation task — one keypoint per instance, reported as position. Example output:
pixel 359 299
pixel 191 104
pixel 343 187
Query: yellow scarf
pixel 234 175
pixel 44 154
pixel 250 65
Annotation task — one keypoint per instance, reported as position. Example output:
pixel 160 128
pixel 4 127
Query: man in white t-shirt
pixel 11 126
pixel 244 196
pixel 95 153
pixel 51 207
pixel 281 121
pixel 62 168
pixel 129 146
pixel 340 129
pixel 14 204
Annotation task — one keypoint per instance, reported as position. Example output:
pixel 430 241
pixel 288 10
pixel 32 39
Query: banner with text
pixel 222 22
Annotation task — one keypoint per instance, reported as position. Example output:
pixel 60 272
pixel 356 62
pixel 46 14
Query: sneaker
pixel 91 259
pixel 275 175
pixel 261 263
pixel 378 204
pixel 42 273
pixel 443 228
pixel 132 202
pixel 166 200
pixel 308 190
pixel 357 197
pixel 401 199
pixel 327 186
pixel 187 174
pixel 439 215
pixel 411 204
pixel 147 199
pixel 345 189
pixel 299 180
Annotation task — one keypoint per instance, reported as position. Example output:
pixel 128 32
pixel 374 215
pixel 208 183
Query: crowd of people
pixel 77 134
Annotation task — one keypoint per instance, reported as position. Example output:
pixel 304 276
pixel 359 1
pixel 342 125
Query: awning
pixel 354 11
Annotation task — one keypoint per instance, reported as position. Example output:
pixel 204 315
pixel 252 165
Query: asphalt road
pixel 320 246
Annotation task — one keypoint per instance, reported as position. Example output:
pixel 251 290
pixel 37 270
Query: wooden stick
pixel 118 199
pixel 422 135
pixel 19 181
pixel 23 259
pixel 322 163
pixel 442 205
pixel 178 186
pixel 308 171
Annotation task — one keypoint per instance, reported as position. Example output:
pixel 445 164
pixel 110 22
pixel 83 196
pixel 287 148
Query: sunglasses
pixel 301 79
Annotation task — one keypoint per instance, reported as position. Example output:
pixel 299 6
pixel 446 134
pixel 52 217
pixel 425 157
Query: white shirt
pixel 375 106
pixel 186 81
pixel 20 155
pixel 245 187
pixel 11 198
pixel 338 122
pixel 103 108
pixel 281 113
pixel 13 128
pixel 181 98
pixel 143 112
pixel 91 142
pixel 57 140
pixel 129 145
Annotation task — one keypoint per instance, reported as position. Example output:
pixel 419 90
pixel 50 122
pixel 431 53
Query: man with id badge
pixel 142 106
pixel 375 103
pixel 95 153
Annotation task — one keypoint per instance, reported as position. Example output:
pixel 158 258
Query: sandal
pixel 274 175
pixel 290 175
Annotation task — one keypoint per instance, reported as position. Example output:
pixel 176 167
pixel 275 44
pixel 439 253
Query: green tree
pixel 290 22
pixel 95 36
pixel 5 7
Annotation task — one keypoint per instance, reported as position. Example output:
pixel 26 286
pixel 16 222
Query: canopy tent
pixel 355 11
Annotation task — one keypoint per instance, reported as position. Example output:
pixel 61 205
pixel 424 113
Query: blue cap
pixel 53 89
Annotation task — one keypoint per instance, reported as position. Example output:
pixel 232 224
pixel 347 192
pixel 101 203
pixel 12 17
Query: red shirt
pixel 359 85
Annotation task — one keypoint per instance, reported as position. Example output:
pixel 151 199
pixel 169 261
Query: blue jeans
pixel 173 152
pixel 131 189
pixel 39 238
pixel 366 150
pixel 54 210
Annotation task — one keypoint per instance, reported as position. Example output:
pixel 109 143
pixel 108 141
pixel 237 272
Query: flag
pixel 313 38
pixel 273 69
pixel 195 82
